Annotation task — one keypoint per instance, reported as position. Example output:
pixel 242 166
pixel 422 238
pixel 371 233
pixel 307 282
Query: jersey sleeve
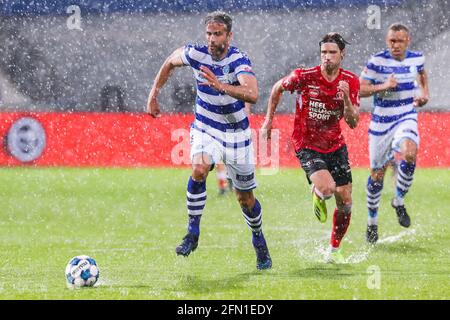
pixel 292 81
pixel 185 55
pixel 369 72
pixel 243 66
pixel 421 64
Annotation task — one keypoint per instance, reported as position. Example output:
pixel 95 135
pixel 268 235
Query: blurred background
pixel 75 55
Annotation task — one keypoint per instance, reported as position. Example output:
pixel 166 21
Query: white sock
pixel 399 201
pixel 372 221
pixel 333 249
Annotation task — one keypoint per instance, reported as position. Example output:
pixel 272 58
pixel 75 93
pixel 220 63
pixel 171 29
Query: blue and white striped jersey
pixel 396 105
pixel 220 115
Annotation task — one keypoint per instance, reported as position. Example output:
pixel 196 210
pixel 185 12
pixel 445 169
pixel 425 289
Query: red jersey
pixel 319 107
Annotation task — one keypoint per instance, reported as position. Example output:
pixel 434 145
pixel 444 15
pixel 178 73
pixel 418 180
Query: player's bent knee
pixel 377 175
pixel 246 200
pixel 328 191
pixel 325 191
pixel 410 157
pixel 409 151
pixel 200 172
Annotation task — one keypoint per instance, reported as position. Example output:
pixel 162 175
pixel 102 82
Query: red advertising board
pixel 138 140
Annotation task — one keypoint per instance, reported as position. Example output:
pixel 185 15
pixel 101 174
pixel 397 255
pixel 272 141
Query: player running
pixel 326 93
pixel 390 76
pixel 221 129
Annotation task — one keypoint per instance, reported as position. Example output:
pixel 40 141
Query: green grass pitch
pixel 130 221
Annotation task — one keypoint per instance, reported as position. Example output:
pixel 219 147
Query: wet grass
pixel 130 221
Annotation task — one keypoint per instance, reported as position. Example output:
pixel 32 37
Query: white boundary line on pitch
pixel 364 255
pixel 395 238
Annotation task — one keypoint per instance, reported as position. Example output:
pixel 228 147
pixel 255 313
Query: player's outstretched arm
pixel 425 96
pixel 274 99
pixel 173 61
pixel 368 89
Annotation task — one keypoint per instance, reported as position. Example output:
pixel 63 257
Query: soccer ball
pixel 81 271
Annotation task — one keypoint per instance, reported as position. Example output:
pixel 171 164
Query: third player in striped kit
pixel 391 76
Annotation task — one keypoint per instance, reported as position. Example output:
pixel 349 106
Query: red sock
pixel 223 184
pixel 341 222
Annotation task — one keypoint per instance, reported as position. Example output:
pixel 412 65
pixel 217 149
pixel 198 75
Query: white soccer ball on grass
pixel 82 271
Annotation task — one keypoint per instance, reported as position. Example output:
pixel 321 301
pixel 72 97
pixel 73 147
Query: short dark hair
pixel 220 17
pixel 334 37
pixel 398 27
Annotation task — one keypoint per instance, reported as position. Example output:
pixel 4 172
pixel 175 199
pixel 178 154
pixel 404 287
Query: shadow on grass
pixel 322 271
pixel 203 284
pixel 400 248
pixel 194 284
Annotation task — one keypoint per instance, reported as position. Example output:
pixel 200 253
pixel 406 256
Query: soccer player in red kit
pixel 326 94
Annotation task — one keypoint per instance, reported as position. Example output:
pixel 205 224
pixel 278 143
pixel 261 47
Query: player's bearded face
pixel 330 56
pixel 218 39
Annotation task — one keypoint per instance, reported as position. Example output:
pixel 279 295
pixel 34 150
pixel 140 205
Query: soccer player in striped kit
pixel 325 94
pixel 391 77
pixel 221 130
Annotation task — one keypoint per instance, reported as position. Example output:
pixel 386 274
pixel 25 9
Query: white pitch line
pixel 402 234
pixel 363 255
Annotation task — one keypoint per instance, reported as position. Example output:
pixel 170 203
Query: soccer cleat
pixel 335 256
pixel 263 259
pixel 189 244
pixel 319 208
pixel 402 215
pixel 372 234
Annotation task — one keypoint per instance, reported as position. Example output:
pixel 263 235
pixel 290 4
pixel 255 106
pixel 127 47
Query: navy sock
pixel 194 225
pixel 373 191
pixel 195 200
pixel 253 218
pixel 404 178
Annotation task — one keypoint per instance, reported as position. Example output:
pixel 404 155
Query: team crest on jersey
pixel 226 69
pixel 314 93
pixel 339 95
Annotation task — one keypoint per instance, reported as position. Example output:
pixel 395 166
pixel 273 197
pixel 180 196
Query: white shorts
pixel 382 148
pixel 239 161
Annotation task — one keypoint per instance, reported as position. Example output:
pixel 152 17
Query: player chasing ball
pixel 221 129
